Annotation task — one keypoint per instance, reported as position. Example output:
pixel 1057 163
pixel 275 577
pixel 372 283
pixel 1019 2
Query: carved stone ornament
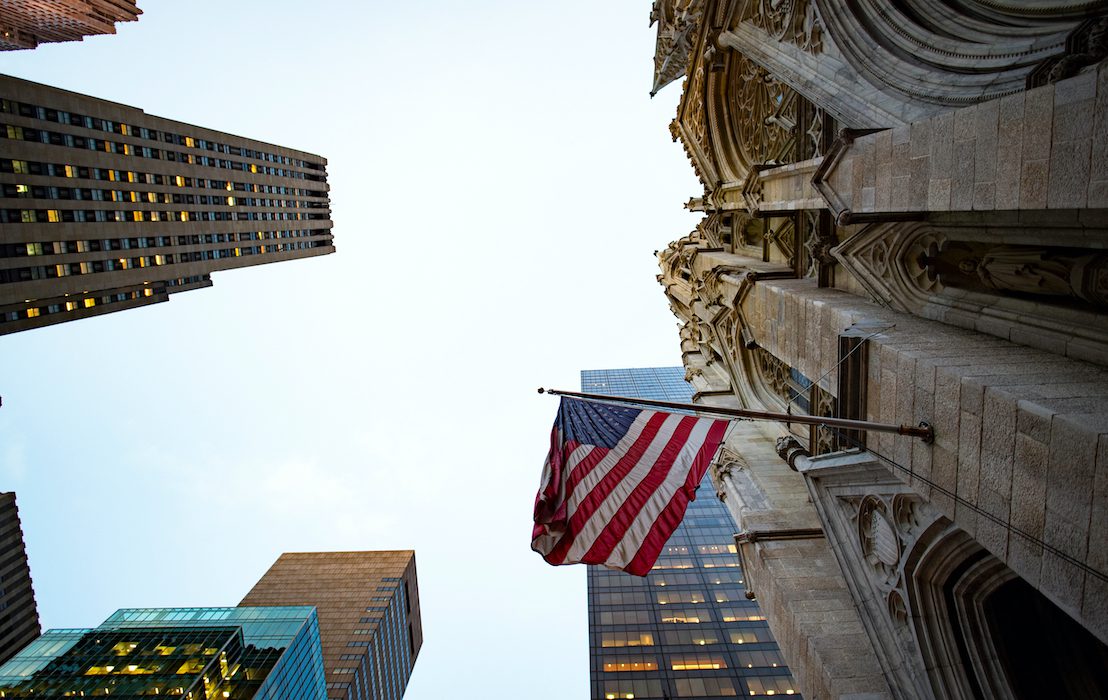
pixel 677 21
pixel 879 542
pixel 766 114
pixel 1025 270
pixel 790 21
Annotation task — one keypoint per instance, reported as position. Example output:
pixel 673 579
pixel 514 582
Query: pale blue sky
pixel 499 180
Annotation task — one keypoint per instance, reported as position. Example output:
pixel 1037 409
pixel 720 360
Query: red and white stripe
pixel 618 507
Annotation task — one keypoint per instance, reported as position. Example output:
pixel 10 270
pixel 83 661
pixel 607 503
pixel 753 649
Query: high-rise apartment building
pixel 104 207
pixel 239 653
pixel 18 614
pixel 24 24
pixel 686 630
pixel 369 621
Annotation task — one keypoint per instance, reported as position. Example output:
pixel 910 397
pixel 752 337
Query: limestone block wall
pixel 1021 434
pixel 1045 148
pixel 797 582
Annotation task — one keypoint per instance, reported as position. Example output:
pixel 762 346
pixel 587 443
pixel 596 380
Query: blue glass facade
pixel 686 630
pixel 200 653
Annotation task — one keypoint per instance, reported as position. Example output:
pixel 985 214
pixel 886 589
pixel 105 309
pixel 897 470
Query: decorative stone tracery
pixel 790 21
pixel 936 270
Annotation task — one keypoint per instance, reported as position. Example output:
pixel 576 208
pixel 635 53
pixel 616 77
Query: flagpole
pixel 923 431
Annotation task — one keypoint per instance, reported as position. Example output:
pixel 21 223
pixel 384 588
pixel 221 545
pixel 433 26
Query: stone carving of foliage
pixel 790 21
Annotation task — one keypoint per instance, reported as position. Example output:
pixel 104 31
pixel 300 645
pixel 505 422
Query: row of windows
pixel 54 216
pixel 72 119
pixel 77 304
pixel 95 194
pixel 717 577
pixel 697 688
pixel 707 562
pixel 26 274
pixel 668 596
pixel 16 250
pixel 677 615
pixel 56 138
pixel 34 167
pixel 703 636
pixel 700 549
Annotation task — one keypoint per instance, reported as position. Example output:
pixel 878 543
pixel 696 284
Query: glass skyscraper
pixel 687 629
pixel 240 653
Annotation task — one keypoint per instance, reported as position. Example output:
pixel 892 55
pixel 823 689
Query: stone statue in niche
pixel 1074 273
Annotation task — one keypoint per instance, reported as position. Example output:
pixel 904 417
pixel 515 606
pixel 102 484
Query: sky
pixel 500 180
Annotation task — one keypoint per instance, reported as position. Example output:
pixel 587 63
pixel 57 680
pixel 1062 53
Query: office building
pixel 239 653
pixel 104 207
pixel 18 614
pixel 905 220
pixel 686 630
pixel 24 24
pixel 369 621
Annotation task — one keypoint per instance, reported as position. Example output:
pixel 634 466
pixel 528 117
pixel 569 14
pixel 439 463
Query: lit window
pixel 70 171
pixel 19 167
pixel 89 303
pixel 180 180
pixel 184 216
pixel 32 312
pixel 137 215
pixel 621 666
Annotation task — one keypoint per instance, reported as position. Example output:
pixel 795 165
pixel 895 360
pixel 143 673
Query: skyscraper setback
pixel 104 207
pixel 369 620
pixel 687 630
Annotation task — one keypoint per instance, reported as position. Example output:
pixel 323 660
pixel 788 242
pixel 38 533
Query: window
pixel 627 639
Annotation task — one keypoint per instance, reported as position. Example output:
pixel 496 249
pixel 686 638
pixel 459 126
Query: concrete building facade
pixel 369 620
pixel 104 207
pixel 19 623
pixel 905 219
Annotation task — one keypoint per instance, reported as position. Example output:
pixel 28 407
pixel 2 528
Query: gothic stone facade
pixel 905 219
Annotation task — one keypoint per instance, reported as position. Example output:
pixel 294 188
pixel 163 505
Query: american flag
pixel 617 481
